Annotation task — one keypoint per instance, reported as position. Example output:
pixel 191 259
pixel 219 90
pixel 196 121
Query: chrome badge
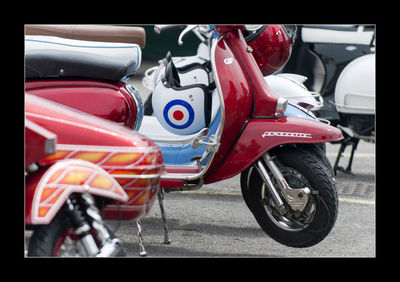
pixel 286 134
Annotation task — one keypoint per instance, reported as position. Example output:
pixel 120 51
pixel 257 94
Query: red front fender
pixel 46 195
pixel 261 135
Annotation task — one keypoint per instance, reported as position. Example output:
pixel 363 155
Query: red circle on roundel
pixel 178 115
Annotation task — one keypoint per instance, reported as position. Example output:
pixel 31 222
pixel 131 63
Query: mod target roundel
pixel 178 114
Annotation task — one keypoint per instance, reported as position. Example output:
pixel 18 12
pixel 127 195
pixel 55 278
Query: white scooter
pixel 347 53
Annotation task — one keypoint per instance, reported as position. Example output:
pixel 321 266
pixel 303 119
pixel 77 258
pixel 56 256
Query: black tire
pixel 316 148
pixel 45 238
pixel 301 167
pixel 244 185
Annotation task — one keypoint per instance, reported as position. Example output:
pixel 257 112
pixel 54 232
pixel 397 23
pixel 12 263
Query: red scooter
pixel 208 133
pixel 80 169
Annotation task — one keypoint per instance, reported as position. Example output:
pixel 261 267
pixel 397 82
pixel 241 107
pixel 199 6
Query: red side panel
pixel 76 127
pixel 132 159
pixel 101 99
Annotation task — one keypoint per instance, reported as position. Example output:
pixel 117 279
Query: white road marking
pixel 227 193
pixel 356 155
pixel 357 201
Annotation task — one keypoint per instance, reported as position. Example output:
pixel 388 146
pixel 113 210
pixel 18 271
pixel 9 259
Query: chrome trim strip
pixel 180 176
pixel 106 149
pixel 135 94
pixel 140 176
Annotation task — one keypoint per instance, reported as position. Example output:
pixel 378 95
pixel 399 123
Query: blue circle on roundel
pixel 187 106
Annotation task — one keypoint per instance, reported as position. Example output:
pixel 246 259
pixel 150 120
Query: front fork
pixel 85 216
pixel 296 198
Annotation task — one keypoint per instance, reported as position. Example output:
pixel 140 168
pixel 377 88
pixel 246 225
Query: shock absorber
pixel 85 216
pixel 81 227
pixel 109 246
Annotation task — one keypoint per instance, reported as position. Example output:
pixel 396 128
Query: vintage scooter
pixel 235 124
pixel 79 170
pixel 207 136
pixel 347 53
pixel 90 82
pixel 60 203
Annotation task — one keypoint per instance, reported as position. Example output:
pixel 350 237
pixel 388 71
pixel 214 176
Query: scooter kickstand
pixel 167 239
pixel 142 251
pixel 353 149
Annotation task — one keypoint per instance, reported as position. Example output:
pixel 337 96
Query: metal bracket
pixel 212 144
pixel 296 198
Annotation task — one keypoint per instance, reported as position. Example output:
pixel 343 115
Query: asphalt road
pixel 215 222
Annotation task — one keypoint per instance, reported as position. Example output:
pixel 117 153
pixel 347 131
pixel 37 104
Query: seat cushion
pixel 89 32
pixel 47 56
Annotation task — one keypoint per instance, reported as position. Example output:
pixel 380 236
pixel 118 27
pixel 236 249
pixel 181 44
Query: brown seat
pixel 51 56
pixel 103 33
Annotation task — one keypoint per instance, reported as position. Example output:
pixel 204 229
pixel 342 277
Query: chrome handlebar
pixel 163 27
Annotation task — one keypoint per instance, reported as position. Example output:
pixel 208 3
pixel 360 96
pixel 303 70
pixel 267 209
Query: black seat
pixel 64 60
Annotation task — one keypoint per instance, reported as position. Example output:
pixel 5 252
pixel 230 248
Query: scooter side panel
pixel 132 159
pixel 137 170
pixel 105 100
pixel 67 122
pixel 261 135
pixel 355 87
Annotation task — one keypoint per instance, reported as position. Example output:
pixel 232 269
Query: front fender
pixel 62 179
pixel 261 135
